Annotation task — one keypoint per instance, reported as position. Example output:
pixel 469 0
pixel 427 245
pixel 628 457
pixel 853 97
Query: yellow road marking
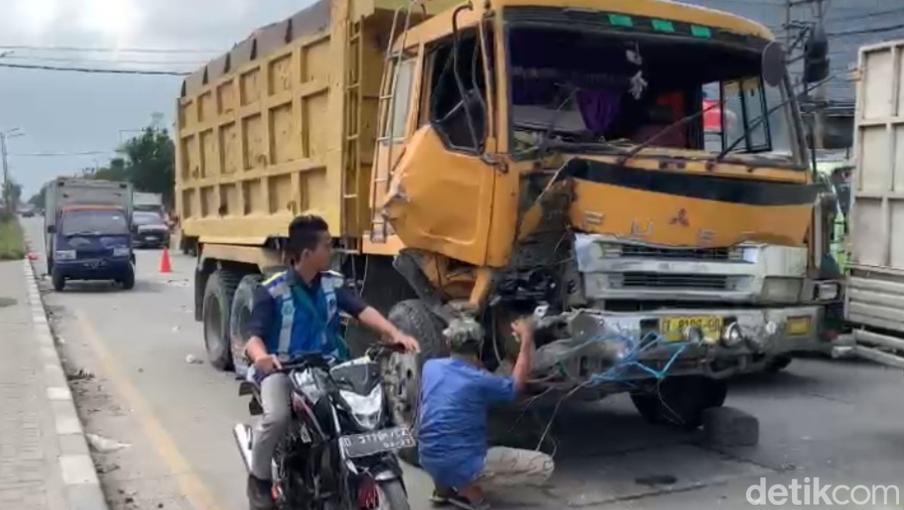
pixel 194 490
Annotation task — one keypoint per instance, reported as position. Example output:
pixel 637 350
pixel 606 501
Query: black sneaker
pixel 260 494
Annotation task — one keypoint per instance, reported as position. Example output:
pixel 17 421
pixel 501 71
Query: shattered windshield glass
pixel 601 92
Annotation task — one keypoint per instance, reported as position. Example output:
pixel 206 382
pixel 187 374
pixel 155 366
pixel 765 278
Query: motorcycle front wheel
pixel 392 495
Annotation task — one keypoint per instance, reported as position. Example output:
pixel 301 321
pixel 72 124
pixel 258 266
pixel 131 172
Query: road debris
pixel 191 359
pixel 102 444
pixel 80 375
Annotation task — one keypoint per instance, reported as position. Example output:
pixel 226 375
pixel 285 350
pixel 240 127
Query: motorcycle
pixel 340 451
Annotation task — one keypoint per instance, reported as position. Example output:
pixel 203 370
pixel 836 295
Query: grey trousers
pixel 276 393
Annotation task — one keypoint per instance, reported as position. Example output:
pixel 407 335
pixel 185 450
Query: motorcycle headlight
pixel 366 410
pixel 121 251
pixel 64 254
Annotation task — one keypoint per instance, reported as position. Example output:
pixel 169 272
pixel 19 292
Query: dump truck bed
pixel 875 291
pixel 283 123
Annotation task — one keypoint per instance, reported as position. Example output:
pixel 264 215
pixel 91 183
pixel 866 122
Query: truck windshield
pixel 94 223
pixel 605 91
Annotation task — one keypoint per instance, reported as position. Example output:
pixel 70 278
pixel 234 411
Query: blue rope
pixel 619 371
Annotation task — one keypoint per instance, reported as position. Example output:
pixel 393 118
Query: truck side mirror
pixel 773 64
pixel 51 229
pixel 816 55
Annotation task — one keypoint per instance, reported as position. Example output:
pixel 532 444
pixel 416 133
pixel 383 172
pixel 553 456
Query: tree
pixel 37 199
pixel 117 171
pixel 12 192
pixel 150 160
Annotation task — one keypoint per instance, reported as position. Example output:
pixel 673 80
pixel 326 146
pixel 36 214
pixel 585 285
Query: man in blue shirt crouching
pixel 456 393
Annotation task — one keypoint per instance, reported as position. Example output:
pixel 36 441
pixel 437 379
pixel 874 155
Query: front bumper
pixel 151 238
pixel 601 340
pixel 94 268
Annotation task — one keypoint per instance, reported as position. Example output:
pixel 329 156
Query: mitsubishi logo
pixel 680 218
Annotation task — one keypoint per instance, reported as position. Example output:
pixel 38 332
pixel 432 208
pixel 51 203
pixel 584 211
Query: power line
pixel 866 15
pixel 94 70
pixel 104 50
pixel 58 154
pixel 872 30
pixel 103 61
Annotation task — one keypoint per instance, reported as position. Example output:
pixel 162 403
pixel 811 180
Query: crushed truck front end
pixel 651 206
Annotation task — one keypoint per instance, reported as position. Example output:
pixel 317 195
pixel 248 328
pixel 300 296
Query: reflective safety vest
pixel 305 323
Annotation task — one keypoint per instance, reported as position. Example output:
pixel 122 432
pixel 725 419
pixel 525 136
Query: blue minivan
pixel 91 242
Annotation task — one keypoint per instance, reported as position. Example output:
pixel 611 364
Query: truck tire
pixel 681 400
pixel 128 281
pixel 778 363
pixel 217 302
pixel 59 282
pixel 239 315
pixel 403 371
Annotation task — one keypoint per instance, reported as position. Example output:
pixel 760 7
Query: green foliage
pixel 147 163
pixel 37 199
pixel 12 243
pixel 12 192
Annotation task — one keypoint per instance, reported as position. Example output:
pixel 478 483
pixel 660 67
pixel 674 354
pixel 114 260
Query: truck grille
pixel 638 251
pixel 671 281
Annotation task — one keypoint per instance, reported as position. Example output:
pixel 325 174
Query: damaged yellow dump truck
pixel 630 172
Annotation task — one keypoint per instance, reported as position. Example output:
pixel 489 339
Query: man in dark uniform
pixel 297 311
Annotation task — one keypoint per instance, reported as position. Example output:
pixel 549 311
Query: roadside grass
pixel 12 243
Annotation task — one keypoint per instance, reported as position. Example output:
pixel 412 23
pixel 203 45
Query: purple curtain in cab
pixel 598 108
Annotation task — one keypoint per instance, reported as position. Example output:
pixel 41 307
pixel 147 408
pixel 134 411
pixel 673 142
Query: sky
pixel 64 112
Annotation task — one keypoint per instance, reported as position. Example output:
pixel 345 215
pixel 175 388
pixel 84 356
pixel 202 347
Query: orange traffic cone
pixel 165 266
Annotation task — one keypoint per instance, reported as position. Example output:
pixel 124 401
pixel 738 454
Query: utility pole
pixel 6 186
pixel 819 94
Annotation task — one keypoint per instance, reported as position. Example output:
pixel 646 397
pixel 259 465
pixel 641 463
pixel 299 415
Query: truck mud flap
pixel 879 348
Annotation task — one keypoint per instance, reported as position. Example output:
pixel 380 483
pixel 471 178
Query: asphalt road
pixel 165 420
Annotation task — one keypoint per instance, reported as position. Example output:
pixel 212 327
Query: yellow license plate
pixel 798 326
pixel 672 328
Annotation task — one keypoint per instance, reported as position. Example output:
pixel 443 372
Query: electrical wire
pixel 107 50
pixel 873 30
pixel 57 154
pixel 94 70
pixel 78 60
pixel 873 14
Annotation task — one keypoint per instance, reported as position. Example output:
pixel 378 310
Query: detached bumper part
pixel 728 342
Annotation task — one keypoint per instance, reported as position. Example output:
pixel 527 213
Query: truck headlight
pixel 121 251
pixel 64 255
pixel 731 335
pixel 779 289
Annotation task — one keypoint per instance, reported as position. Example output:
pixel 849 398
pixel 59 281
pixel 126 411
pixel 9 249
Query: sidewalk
pixel 44 460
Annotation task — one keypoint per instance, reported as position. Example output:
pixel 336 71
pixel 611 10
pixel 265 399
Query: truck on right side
pixel 874 298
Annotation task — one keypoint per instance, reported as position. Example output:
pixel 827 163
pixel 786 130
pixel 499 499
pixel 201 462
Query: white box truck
pixel 874 302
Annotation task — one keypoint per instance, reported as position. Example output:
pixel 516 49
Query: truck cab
pixel 92 243
pixel 87 227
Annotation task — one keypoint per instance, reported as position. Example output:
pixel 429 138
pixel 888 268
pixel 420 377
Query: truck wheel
pixel 778 363
pixel 128 281
pixel 239 315
pixel 681 400
pixel 217 301
pixel 403 371
pixel 59 282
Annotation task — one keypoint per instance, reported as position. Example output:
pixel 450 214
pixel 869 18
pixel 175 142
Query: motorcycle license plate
pixel 370 443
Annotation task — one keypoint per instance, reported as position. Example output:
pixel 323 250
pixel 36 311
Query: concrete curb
pixel 82 487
